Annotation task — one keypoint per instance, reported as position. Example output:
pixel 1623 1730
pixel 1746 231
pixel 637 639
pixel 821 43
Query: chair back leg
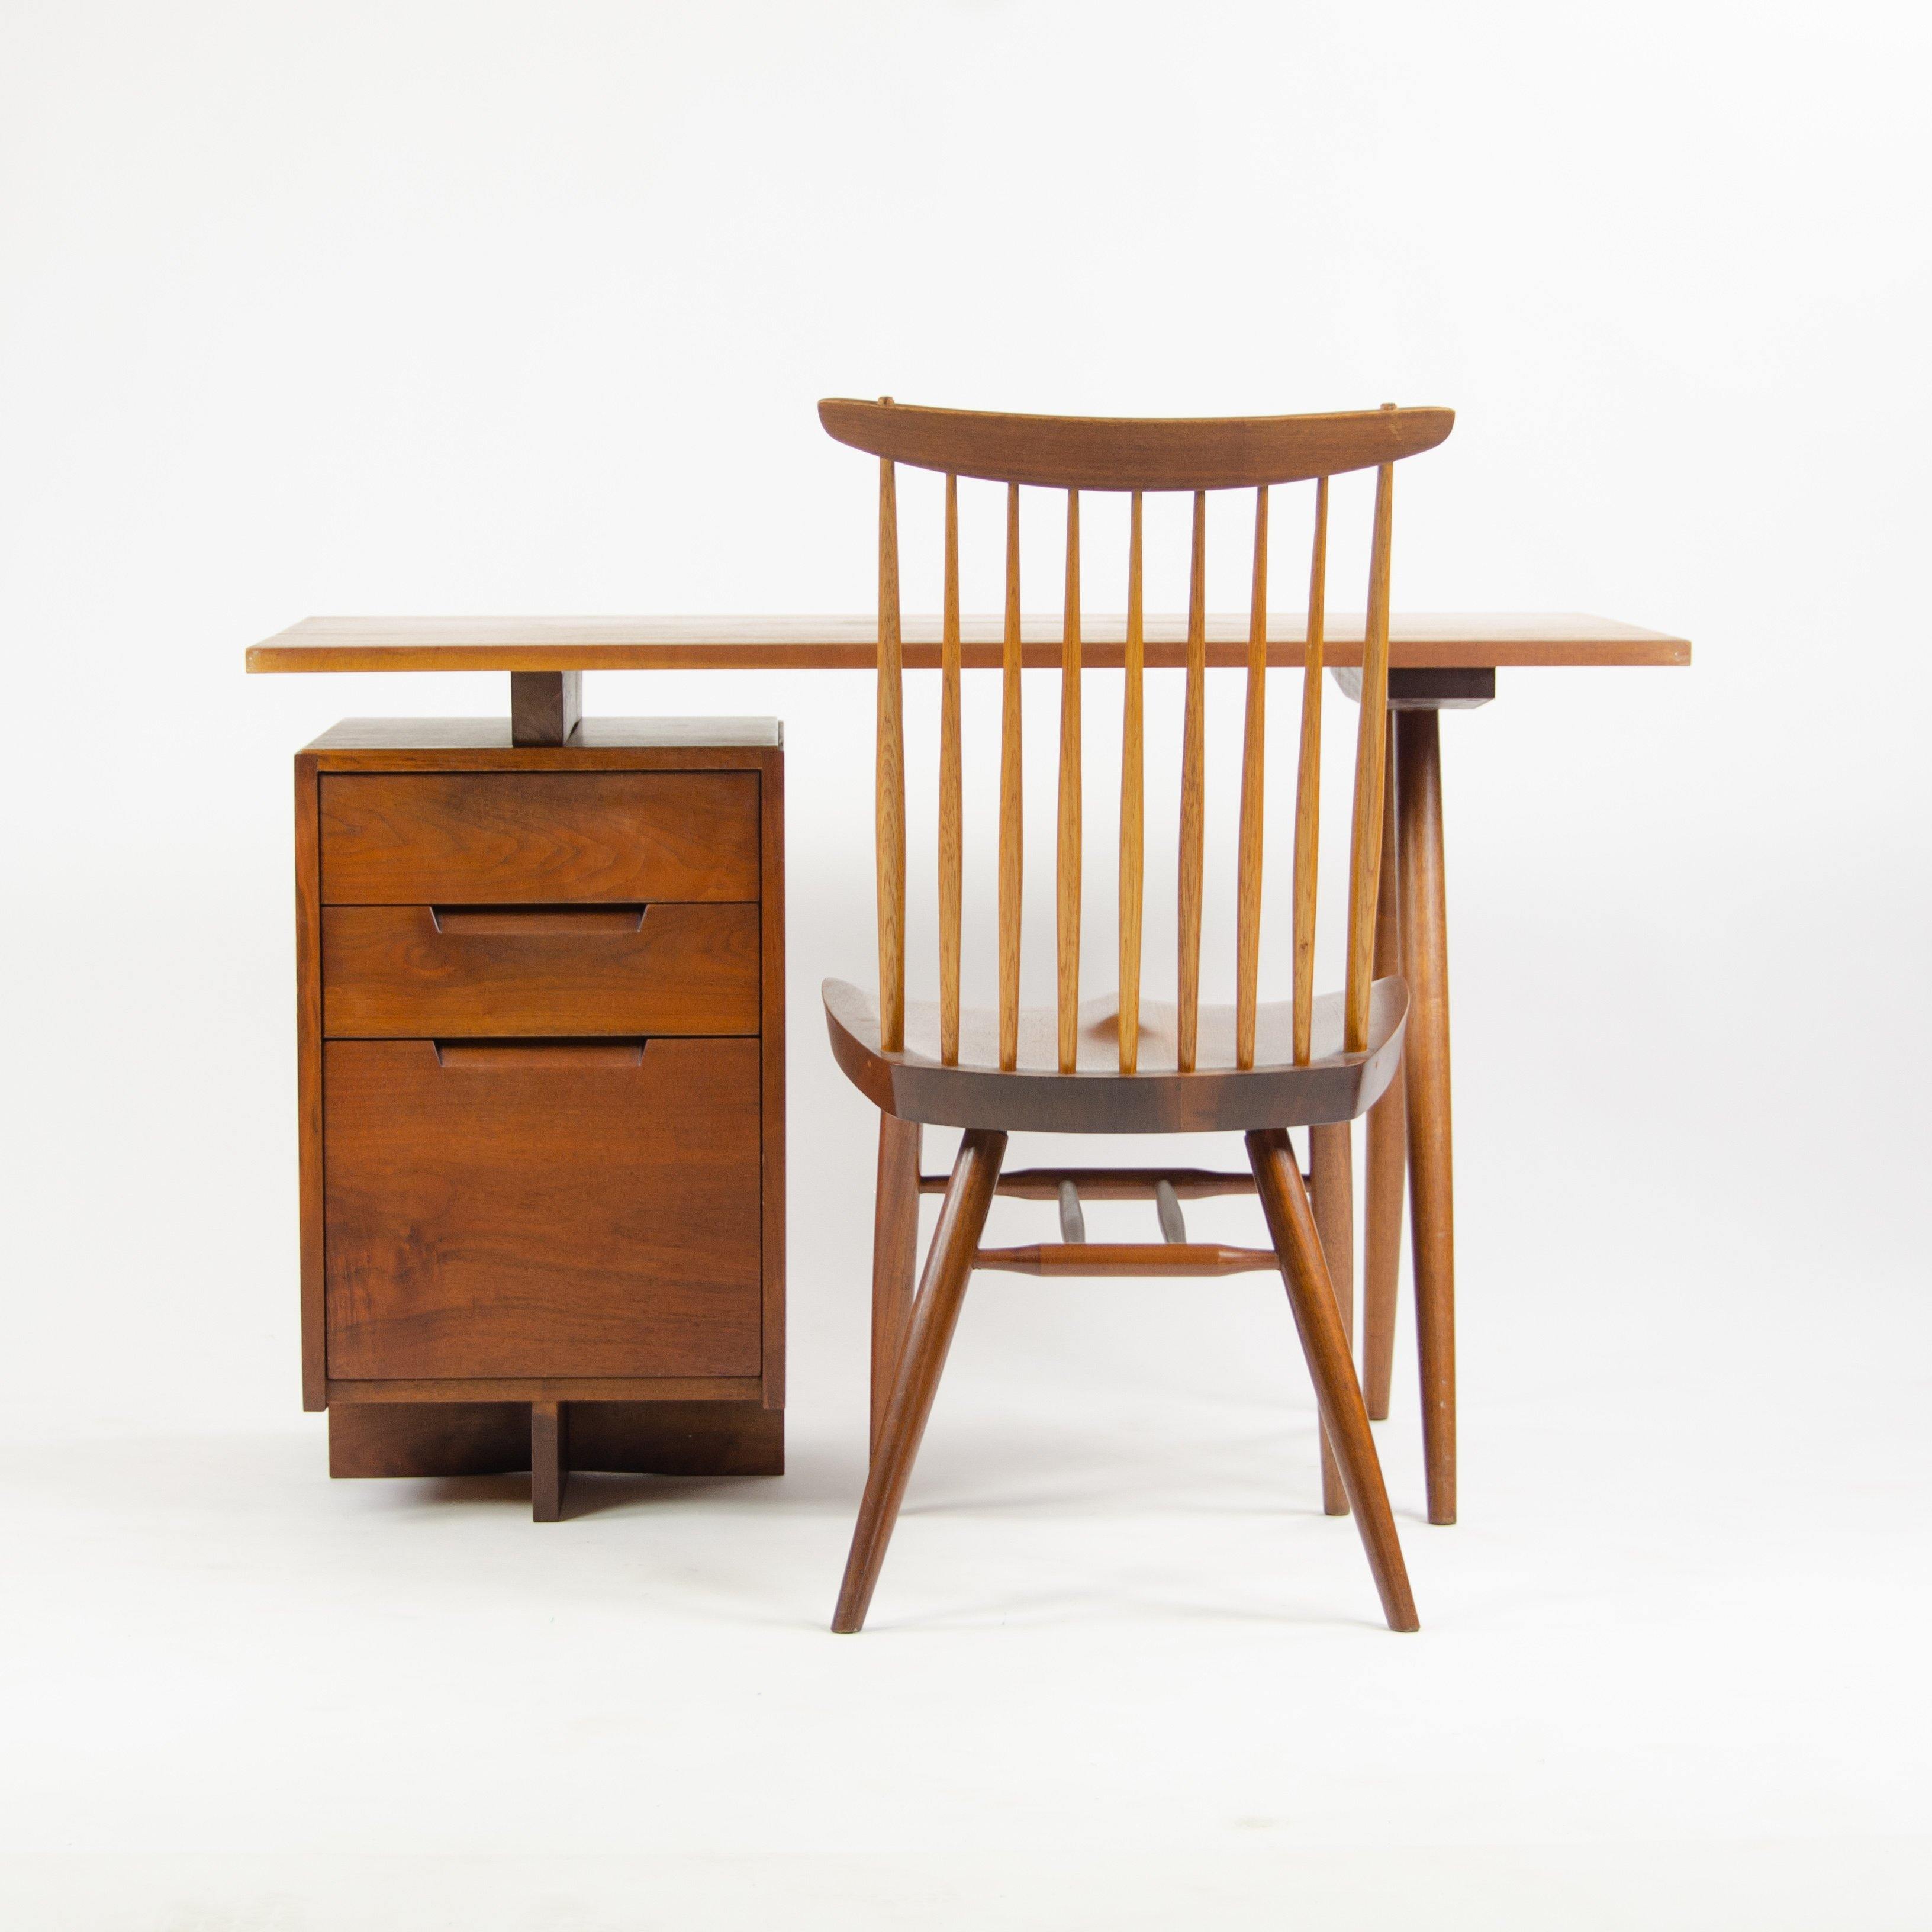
pixel 922 1359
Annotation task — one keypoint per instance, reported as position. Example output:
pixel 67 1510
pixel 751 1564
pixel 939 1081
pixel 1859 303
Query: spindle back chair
pixel 1126 1064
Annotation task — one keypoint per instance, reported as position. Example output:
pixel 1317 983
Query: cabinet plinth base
pixel 490 1438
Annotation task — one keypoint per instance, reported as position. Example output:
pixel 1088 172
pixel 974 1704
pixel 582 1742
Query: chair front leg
pixel 921 1359
pixel 1318 1321
pixel 894 1253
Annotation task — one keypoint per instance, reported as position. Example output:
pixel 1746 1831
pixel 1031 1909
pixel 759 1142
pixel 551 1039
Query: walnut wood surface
pixel 845 642
pixel 1254 752
pixel 546 707
pixel 1134 453
pixel 1318 1320
pixel 492 838
pixel 890 842
pixel 1331 1193
pixel 550 1459
pixel 1035 1097
pixel 308 1085
pixel 1108 1183
pixel 393 972
pixel 1127 1259
pixel 479 1438
pixel 894 1253
pixel 1133 798
pixel 1425 957
pixel 1386 1135
pixel 1067 846
pixel 921 1359
pixel 545 1219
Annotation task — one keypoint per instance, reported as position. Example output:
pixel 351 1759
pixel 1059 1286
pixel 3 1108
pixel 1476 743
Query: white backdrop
pixel 493 308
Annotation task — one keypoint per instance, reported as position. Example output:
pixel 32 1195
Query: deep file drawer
pixel 401 972
pixel 542 1208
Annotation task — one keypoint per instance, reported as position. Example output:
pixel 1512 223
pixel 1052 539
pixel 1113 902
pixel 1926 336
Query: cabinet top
pixel 1435 641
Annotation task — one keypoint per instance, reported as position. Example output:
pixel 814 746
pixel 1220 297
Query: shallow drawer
pixel 537 838
pixel 404 972
pixel 541 1209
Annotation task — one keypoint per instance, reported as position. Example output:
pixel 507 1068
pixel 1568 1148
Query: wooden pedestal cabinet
pixel 542 1043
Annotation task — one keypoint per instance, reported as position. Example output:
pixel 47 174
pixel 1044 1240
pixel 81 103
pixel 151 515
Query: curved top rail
pixel 1134 453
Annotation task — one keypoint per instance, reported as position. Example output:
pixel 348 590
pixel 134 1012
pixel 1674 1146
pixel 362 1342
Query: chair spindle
pixel 1308 787
pixel 951 837
pixel 1067 925
pixel 1192 790
pixel 891 775
pixel 1365 849
pixel 1133 810
pixel 1254 751
pixel 1011 829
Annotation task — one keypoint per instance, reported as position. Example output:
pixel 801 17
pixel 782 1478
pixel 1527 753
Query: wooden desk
pixel 1437 663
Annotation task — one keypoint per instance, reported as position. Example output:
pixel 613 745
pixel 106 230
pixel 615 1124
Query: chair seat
pixel 1097 1098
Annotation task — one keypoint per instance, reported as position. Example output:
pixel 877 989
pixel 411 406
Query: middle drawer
pixel 414 972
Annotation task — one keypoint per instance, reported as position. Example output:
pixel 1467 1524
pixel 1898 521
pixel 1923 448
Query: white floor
pixel 1121 1673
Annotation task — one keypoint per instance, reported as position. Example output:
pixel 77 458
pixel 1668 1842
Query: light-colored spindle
pixel 1133 809
pixel 1192 791
pixel 1254 750
pixel 950 838
pixel 1308 786
pixel 1012 839
pixel 1067 925
pixel 891 777
pixel 1365 844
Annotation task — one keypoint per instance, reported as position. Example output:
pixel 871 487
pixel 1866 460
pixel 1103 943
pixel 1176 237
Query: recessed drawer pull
pixel 534 1056
pixel 532 921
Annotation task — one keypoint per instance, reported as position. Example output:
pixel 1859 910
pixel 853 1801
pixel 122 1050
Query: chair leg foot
pixel 921 1359
pixel 1312 1297
pixel 549 1459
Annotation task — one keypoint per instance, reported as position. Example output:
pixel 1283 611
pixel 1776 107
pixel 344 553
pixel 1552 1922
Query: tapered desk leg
pixel 1388 1150
pixel 1425 960
pixel 894 1253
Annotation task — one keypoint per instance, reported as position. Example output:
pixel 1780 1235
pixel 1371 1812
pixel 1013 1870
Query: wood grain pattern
pixel 1318 1320
pixel 469 838
pixel 399 973
pixel 922 1359
pixel 546 707
pixel 894 1253
pixel 1133 802
pixel 546 1388
pixel 1012 818
pixel 550 1459
pixel 772 1072
pixel 1127 1260
pixel 1066 878
pixel 1109 1183
pixel 1308 783
pixel 1425 965
pixel 891 844
pixel 1254 756
pixel 952 847
pixel 1214 1097
pixel 1417 639
pixel 631 1248
pixel 1331 1190
pixel 308 1085
pixel 1138 453
pixel 1365 835
pixel 1387 1136
pixel 1193 787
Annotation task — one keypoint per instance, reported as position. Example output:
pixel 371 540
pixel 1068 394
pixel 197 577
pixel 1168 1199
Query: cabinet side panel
pixel 308 1082
pixel 772 915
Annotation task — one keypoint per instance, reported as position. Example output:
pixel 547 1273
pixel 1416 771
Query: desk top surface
pixel 1482 639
